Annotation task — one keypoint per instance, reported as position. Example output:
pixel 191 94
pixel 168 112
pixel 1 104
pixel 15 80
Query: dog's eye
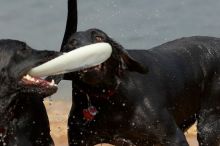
pixel 99 39
pixel 72 43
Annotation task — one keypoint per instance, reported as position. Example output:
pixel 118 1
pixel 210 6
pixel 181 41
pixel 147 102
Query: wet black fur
pixel 181 86
pixel 162 92
pixel 23 118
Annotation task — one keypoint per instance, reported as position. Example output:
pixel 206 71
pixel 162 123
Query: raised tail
pixel 71 23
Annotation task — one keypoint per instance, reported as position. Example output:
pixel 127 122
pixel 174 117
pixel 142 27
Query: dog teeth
pixel 52 83
pixel 28 77
pixel 32 79
pixel 98 67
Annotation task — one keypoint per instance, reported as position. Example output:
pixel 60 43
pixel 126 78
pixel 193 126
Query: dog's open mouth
pixel 37 86
pixel 93 75
pixel 29 80
pixel 95 68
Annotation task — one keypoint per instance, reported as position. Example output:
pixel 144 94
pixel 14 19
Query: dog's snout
pixel 49 54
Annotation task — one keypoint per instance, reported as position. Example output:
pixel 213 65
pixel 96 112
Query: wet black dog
pixel 23 118
pixel 146 97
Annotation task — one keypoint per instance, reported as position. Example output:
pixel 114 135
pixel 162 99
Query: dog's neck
pixel 7 106
pixel 102 91
pixel 96 95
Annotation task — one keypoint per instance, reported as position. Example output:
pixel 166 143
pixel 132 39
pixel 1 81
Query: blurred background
pixel 137 24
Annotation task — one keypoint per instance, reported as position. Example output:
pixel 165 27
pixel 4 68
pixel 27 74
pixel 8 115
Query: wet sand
pixel 58 113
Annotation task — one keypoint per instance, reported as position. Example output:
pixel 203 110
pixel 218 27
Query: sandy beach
pixel 58 113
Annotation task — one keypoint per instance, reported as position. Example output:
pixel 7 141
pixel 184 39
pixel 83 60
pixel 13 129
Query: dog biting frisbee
pixel 78 59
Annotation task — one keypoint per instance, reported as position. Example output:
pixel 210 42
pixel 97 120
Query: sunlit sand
pixel 58 111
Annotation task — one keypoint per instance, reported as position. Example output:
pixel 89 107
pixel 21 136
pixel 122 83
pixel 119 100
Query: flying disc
pixel 78 59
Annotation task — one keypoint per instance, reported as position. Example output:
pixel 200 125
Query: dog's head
pixel 16 59
pixel 114 66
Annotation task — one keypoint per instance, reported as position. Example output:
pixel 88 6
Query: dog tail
pixel 71 23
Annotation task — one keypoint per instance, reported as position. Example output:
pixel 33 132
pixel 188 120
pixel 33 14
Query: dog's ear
pixel 131 64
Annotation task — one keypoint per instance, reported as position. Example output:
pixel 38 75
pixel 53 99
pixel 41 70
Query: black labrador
pixel 146 97
pixel 23 118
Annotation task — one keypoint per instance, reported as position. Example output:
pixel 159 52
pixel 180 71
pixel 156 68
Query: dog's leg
pixel 80 135
pixel 79 132
pixel 209 116
pixel 209 128
pixel 167 131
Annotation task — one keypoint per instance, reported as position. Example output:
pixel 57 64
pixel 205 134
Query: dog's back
pixel 184 67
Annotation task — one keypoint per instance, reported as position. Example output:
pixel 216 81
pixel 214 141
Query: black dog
pixel 146 97
pixel 23 118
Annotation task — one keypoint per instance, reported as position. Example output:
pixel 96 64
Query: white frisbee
pixel 78 59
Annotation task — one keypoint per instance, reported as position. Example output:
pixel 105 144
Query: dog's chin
pixel 37 86
pixel 91 77
pixel 39 92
